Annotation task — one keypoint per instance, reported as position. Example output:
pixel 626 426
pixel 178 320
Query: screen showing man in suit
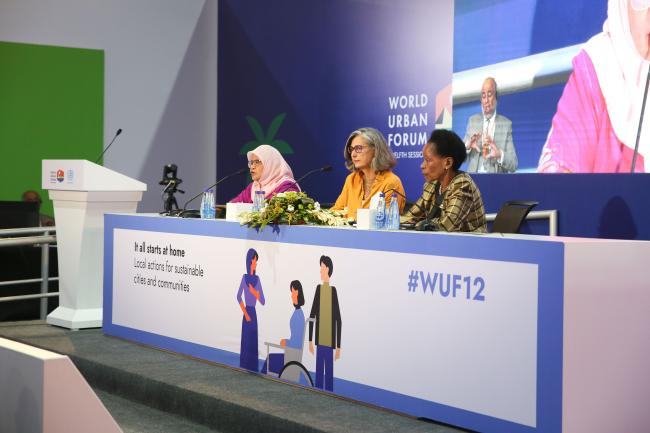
pixel 489 136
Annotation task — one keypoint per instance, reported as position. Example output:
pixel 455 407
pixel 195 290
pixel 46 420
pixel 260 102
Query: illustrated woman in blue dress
pixel 249 293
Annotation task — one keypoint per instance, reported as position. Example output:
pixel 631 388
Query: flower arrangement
pixel 292 208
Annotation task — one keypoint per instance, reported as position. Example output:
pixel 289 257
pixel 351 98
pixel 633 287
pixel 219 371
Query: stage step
pixel 202 393
pixel 134 417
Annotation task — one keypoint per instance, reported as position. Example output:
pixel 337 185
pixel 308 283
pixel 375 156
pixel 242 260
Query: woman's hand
pixel 255 293
pixel 243 310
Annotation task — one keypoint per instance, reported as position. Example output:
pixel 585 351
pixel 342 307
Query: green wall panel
pixel 51 107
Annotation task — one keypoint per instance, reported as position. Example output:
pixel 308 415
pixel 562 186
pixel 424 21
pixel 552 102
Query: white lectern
pixel 82 193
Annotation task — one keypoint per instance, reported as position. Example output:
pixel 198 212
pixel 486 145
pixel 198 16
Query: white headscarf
pixel 622 74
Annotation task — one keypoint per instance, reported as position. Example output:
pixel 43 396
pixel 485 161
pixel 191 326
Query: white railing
pixel 43 236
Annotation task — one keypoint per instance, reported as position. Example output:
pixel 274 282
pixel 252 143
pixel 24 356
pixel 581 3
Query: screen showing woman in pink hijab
pixel 595 127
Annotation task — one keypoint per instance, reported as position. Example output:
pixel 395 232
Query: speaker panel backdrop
pixel 320 70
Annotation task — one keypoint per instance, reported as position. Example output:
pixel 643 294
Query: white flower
pixel 290 208
pixel 281 194
pixel 317 206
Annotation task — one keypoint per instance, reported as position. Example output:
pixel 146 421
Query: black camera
pixel 171 182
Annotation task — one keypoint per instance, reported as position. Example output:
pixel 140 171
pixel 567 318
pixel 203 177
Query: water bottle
pixel 380 214
pixel 393 214
pixel 258 201
pixel 210 211
pixel 204 204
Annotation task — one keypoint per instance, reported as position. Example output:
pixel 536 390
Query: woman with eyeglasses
pixel 270 173
pixel 370 161
pixel 594 129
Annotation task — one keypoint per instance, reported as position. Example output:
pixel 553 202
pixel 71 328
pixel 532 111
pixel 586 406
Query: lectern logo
pixel 60 175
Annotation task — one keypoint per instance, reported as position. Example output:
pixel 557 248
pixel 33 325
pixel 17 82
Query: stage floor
pixel 152 390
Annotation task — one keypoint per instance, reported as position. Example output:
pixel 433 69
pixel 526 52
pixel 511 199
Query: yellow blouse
pixel 352 193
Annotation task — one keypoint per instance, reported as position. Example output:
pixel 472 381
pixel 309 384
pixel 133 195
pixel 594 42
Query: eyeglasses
pixel 356 149
pixel 253 163
pixel 640 5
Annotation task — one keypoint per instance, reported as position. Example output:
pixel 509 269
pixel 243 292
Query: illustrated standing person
pixel 489 136
pixel 325 310
pixel 250 292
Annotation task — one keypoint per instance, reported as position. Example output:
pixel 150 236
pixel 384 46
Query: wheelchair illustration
pixel 291 367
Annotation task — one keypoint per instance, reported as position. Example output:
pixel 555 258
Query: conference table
pixel 490 332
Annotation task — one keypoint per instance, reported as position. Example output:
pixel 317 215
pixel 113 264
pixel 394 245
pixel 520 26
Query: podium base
pixel 76 318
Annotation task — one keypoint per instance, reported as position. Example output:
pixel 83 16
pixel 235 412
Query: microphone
pixel 425 224
pixel 316 170
pixel 237 173
pixel 118 132
pixel 638 133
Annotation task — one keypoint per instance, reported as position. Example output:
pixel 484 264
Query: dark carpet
pixel 152 390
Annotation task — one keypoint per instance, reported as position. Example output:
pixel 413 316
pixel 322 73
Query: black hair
pixel 324 260
pixel 301 297
pixel 250 255
pixel 448 144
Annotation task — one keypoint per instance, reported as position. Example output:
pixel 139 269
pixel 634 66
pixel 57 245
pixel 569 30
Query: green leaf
pixel 274 126
pixel 256 127
pixel 250 145
pixel 282 146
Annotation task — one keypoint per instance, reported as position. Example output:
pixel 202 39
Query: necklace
pixel 367 186
pixel 444 187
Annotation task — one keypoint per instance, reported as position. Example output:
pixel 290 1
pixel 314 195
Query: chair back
pixel 511 216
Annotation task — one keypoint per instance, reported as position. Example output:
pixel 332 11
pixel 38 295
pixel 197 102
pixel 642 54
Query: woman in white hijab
pixel 270 173
pixel 595 127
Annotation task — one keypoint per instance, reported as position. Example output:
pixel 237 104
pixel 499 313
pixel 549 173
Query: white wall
pixel 160 78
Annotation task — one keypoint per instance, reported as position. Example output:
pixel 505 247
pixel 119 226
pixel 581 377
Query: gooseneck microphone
pixel 425 224
pixel 638 133
pixel 118 132
pixel 316 170
pixel 237 173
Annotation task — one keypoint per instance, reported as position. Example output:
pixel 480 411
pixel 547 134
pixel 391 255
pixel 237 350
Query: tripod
pixel 171 182
pixel 170 200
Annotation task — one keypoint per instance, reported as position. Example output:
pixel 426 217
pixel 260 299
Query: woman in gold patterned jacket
pixel 450 199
